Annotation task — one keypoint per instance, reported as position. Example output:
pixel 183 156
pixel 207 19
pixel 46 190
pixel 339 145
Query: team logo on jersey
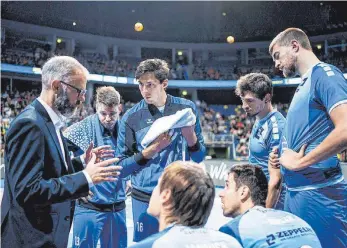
pixel 259 133
pixel 288 234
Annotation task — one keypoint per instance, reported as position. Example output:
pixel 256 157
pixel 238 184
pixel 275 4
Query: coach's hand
pixel 159 144
pixel 101 152
pixel 101 172
pixel 190 135
pixel 291 159
pixel 274 161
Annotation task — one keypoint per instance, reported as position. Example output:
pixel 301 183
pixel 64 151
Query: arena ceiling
pixel 198 22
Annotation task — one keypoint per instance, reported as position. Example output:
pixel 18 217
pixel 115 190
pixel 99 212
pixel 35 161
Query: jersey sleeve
pixel 330 86
pixel 276 127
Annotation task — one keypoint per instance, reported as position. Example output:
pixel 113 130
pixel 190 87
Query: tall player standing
pixel 316 131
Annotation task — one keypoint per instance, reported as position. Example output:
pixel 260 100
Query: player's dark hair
pixel 257 83
pixel 254 178
pixel 158 67
pixel 192 193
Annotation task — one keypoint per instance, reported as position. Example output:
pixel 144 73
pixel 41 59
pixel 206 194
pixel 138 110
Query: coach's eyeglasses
pixel 79 91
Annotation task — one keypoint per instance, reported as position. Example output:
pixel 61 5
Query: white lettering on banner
pixel 218 171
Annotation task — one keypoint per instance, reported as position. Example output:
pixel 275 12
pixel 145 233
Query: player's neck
pixel 163 222
pixel 161 101
pixel 306 61
pixel 247 205
pixel 267 109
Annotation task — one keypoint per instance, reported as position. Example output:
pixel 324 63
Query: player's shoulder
pixel 222 237
pixel 276 119
pixel 256 212
pixel 181 101
pixel 271 216
pixel 325 70
pixel 232 225
pixel 275 123
pixel 151 240
pixel 136 109
pixel 81 124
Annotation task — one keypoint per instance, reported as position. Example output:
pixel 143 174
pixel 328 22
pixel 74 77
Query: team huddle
pixel 291 193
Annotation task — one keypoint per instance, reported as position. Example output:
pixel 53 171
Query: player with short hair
pixel 146 163
pixel 256 91
pixel 243 198
pixel 316 131
pixel 101 216
pixel 182 201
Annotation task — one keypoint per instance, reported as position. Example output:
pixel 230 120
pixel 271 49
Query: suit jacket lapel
pixel 49 124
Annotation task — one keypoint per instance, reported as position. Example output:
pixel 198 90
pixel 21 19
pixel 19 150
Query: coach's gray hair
pixel 61 68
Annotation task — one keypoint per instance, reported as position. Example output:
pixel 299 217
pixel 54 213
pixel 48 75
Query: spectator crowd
pixel 97 63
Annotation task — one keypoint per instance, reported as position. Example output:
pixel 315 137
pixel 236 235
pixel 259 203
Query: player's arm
pixel 195 140
pixel 331 92
pixel 129 159
pixel 275 182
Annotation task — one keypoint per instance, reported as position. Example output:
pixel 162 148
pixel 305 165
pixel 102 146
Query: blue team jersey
pixel 322 89
pixel 269 228
pixel 266 134
pixel 134 126
pixel 188 237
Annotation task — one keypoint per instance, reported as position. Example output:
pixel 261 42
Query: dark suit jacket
pixel 38 201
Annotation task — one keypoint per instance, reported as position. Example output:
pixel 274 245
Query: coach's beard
pixel 62 104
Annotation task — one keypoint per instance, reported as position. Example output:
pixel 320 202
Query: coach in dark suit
pixel 41 182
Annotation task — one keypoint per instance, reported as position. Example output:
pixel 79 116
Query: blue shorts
pixel 89 226
pixel 144 224
pixel 325 210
